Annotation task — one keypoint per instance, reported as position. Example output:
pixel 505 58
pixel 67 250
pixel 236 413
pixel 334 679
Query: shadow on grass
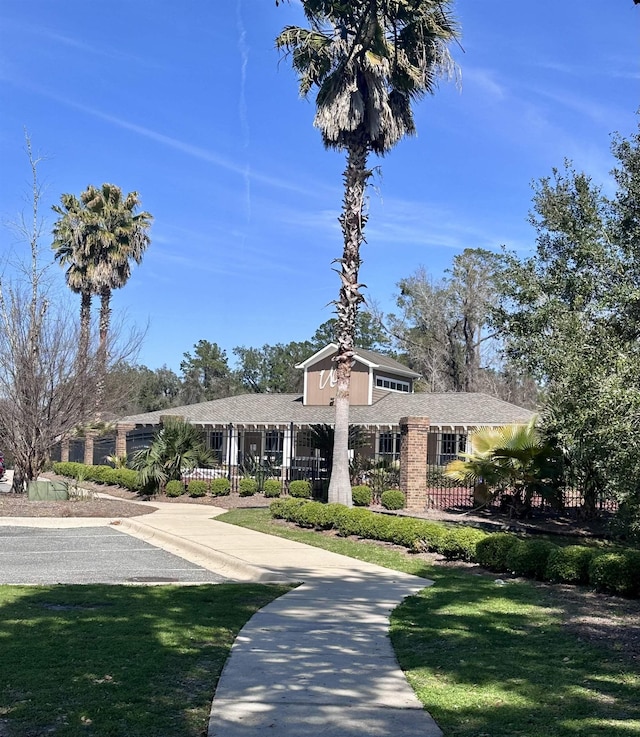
pixel 492 660
pixel 113 660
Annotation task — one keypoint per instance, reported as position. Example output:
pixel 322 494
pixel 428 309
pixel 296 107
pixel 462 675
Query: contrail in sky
pixel 242 104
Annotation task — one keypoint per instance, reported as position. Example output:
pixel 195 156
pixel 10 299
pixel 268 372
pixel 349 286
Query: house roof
pixel 449 409
pixel 368 358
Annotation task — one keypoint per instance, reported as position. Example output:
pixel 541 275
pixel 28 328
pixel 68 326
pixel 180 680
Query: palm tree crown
pixel 369 60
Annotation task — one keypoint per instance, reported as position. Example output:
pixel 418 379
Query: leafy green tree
pixel 272 368
pixel 206 374
pixel 569 314
pixel 177 447
pixel 368 62
pixel 369 334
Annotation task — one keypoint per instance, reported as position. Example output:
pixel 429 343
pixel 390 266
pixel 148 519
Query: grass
pixel 488 660
pixel 108 661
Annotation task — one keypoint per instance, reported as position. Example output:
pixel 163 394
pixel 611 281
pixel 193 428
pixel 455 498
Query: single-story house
pixel 275 429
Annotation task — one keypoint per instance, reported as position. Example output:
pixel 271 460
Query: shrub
pixel 247 487
pixel 354 522
pixel 570 564
pixel 460 543
pixel 616 573
pixel 197 488
pixel 282 508
pixel 529 558
pixel 220 487
pixel 300 489
pixel 272 488
pixel 492 551
pixel 362 496
pixel 392 499
pixel 174 488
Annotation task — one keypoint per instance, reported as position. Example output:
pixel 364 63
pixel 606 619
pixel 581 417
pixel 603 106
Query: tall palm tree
pixel 68 244
pixel 97 237
pixel 116 235
pixel 369 60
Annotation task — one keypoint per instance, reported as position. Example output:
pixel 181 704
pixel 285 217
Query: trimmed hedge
pixel 220 487
pixel 272 488
pixel 570 564
pixel 174 488
pixel 613 572
pixel 247 487
pixel 300 489
pixel 362 496
pixel 197 488
pixel 125 477
pixel 392 499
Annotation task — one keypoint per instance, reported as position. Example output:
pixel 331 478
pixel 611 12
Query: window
pixel 273 441
pixel 450 445
pixel 389 443
pixel 394 385
pixel 216 443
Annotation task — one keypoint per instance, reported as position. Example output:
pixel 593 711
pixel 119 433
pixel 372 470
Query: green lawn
pixel 110 661
pixel 491 660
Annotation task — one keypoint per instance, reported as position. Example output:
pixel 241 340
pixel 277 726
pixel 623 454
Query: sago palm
pixel 368 60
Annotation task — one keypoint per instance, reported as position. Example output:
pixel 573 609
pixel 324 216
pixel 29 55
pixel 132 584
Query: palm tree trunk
pixel 352 221
pixel 105 317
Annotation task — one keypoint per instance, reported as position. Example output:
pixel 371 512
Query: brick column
pixel 64 450
pixel 122 428
pixel 88 447
pixel 414 433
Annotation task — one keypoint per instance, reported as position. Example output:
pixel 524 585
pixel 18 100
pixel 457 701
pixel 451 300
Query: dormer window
pixel 395 385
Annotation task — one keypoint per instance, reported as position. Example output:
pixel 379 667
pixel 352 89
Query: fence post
pixel 122 428
pixel 64 450
pixel 414 434
pixel 88 446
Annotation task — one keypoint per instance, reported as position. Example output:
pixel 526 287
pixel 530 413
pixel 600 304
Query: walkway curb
pixel 214 560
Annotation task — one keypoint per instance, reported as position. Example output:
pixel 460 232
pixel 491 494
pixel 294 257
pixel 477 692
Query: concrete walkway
pixel 318 661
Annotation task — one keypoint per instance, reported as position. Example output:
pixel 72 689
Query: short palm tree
pixel 513 458
pixel 177 447
pixel 368 60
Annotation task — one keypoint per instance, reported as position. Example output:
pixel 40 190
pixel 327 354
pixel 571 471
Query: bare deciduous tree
pixel 43 394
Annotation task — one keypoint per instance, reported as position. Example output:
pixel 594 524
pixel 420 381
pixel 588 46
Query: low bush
pixel 272 488
pixel 461 543
pixel 362 496
pixel 300 489
pixel 492 552
pixel 283 508
pixel 247 487
pixel 174 488
pixel 616 573
pixel 220 487
pixel 570 564
pixel 354 522
pixel 392 499
pixel 529 558
pixel 197 488
pixel 125 477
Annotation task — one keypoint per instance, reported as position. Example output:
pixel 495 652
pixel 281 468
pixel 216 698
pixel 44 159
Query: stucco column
pixel 233 456
pixel 88 447
pixel 64 450
pixel 414 434
pixel 122 428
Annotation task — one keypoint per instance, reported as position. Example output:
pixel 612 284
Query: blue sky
pixel 189 105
